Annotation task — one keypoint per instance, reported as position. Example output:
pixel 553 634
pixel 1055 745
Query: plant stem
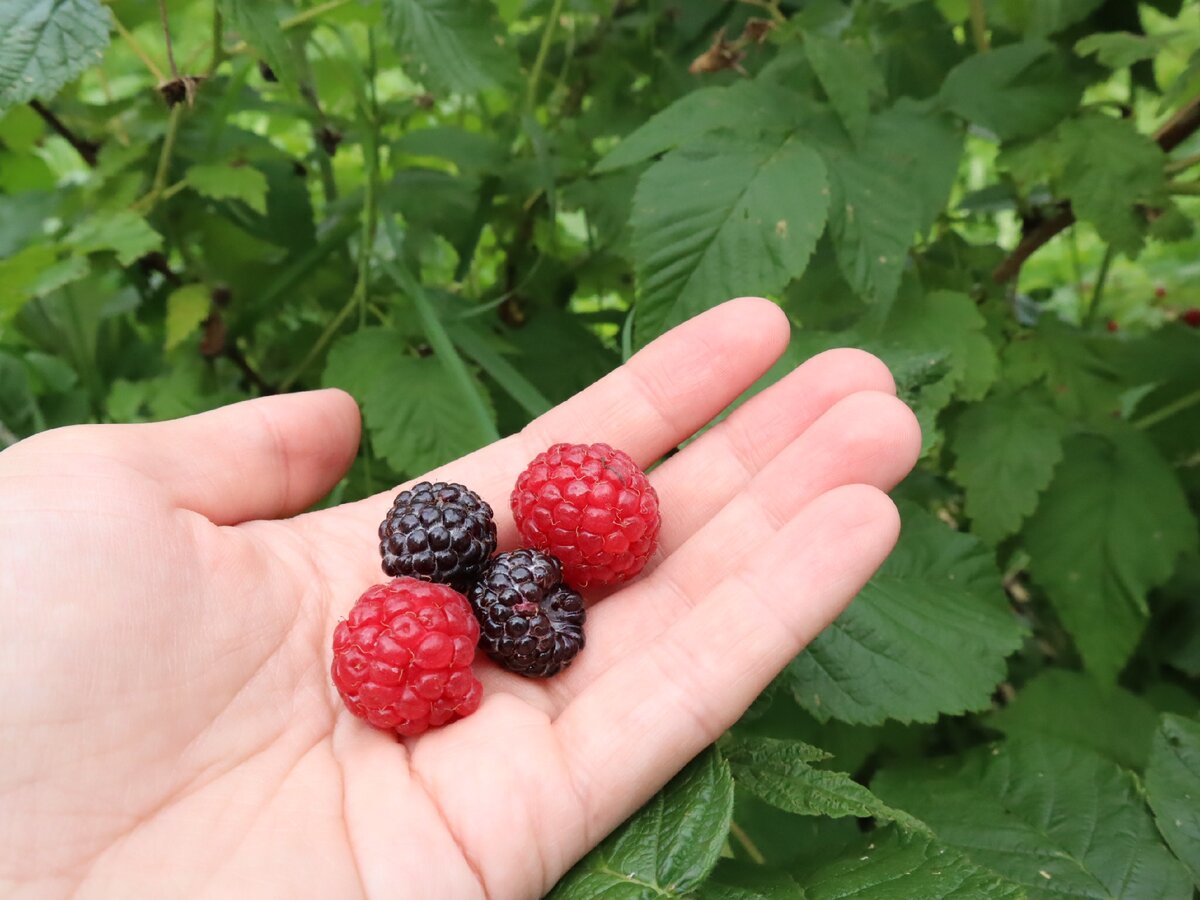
pixel 1098 293
pixel 137 48
pixel 309 14
pixel 166 27
pixel 319 344
pixel 1161 415
pixel 979 29
pixel 218 40
pixel 85 148
pixel 771 7
pixel 158 190
pixel 539 62
pixel 1175 166
pixel 1184 188
pixel 747 844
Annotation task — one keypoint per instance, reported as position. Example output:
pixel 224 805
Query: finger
pixel 693 485
pixel 680 692
pixel 661 396
pixel 259 459
pixel 867 438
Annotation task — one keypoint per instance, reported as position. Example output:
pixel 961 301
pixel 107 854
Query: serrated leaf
pixel 46 43
pixel 123 232
pixel 890 865
pixel 1040 18
pixel 1173 788
pixel 1054 817
pixel 781 773
pixel 1121 49
pixel 187 307
pixel 1006 448
pixel 454 44
pixel 1108 169
pixel 224 182
pixel 849 77
pixel 886 191
pixel 1078 368
pixel 696 114
pixel 939 338
pixel 928 635
pixel 257 21
pixel 667 848
pixel 401 395
pixel 1013 91
pixel 1109 528
pixel 1075 708
pixel 722 218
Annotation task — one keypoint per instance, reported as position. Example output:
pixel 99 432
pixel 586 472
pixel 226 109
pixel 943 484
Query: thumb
pixel 260 459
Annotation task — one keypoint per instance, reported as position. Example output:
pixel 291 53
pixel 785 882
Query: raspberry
pixel 402 660
pixel 438 532
pixel 531 622
pixel 590 506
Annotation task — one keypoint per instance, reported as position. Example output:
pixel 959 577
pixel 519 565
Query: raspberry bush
pixel 463 211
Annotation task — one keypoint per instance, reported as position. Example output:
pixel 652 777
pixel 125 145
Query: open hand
pixel 168 724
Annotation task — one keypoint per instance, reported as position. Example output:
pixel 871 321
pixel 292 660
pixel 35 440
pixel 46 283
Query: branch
pixel 1174 132
pixel 85 148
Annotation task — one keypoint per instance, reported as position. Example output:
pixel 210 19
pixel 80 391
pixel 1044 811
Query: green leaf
pixel 887 191
pixel 1077 368
pixel 46 43
pixel 780 772
pixel 1107 168
pixel 1013 91
pixel 1110 528
pixel 1120 49
pixel 696 114
pixel 928 635
pixel 722 218
pixel 890 865
pixel 668 848
pixel 187 307
pixel 455 45
pixel 124 232
pixel 849 77
pixel 1006 448
pixel 19 274
pixel 1173 788
pixel 17 404
pixel 224 182
pixel 1040 18
pixel 1072 707
pixel 257 21
pixel 945 326
pixel 1059 819
pixel 400 396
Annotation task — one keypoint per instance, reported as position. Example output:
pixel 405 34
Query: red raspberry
pixel 1192 318
pixel 590 506
pixel 402 660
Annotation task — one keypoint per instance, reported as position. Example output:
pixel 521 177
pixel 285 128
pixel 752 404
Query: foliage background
pixel 464 211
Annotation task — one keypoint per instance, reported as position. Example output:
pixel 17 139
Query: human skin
pixel 168 726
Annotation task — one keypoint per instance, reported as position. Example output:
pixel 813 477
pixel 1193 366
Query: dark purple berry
pixel 438 532
pixel 529 621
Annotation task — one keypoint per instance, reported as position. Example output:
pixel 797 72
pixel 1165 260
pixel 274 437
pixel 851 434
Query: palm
pixel 170 724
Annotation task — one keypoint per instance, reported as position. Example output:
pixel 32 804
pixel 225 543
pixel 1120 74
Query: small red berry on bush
pixel 1113 326
pixel 1192 317
pixel 402 658
pixel 590 506
pixel 1160 291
